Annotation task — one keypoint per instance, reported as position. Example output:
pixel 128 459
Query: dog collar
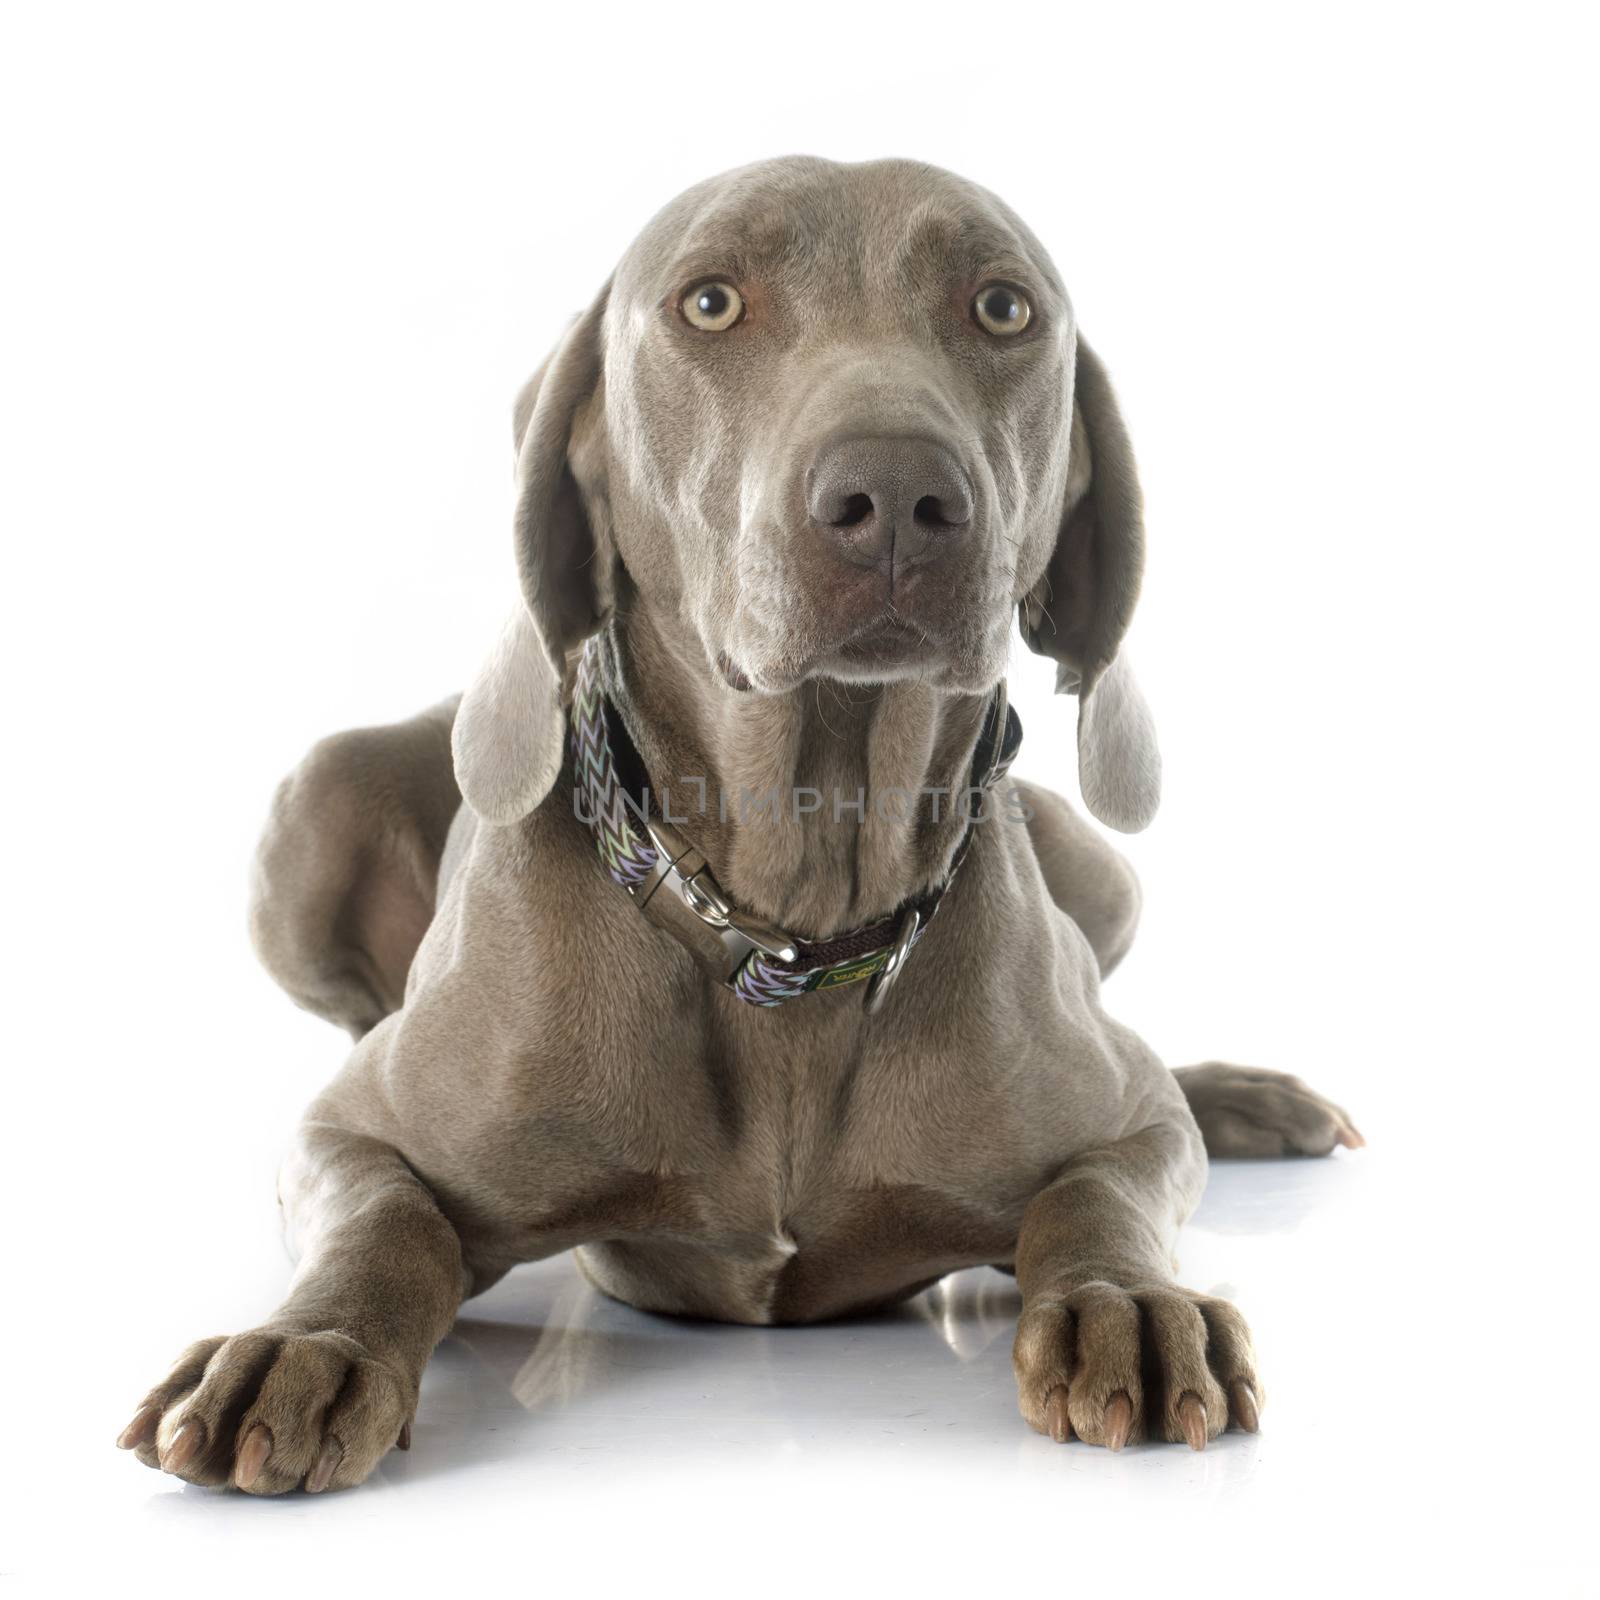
pixel 645 854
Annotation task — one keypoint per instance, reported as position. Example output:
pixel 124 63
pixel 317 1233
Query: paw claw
pixel 253 1456
pixel 140 1429
pixel 322 1473
pixel 1243 1404
pixel 1192 1419
pixel 1118 1420
pixel 183 1447
pixel 1057 1424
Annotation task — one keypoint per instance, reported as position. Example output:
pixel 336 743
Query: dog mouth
pixel 932 627
pixel 888 645
pixel 890 636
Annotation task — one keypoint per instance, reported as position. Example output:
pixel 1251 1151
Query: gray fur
pixel 539 1068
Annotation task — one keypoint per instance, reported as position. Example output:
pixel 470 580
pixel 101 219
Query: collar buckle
pixel 686 873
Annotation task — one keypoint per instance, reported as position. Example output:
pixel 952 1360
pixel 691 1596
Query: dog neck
pixel 822 808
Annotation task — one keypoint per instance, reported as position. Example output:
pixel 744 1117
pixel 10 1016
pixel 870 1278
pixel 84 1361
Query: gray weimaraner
pixel 668 988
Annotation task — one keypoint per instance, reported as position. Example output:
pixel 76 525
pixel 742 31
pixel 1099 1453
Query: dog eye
pixel 1001 309
pixel 713 307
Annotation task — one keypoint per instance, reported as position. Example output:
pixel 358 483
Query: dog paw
pixel 1112 1365
pixel 1249 1114
pixel 274 1410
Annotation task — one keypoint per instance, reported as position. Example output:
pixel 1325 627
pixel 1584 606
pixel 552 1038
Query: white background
pixel 272 278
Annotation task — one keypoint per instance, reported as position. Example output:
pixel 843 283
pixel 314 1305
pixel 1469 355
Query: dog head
pixel 838 421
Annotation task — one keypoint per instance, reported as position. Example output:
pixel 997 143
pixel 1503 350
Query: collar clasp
pixel 686 873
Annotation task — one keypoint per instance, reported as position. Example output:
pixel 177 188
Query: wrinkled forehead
pixel 824 227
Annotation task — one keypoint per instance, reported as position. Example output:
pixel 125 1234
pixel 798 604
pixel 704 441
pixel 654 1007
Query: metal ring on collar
pixel 881 980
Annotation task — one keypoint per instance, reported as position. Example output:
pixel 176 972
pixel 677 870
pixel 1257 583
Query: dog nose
pixel 888 502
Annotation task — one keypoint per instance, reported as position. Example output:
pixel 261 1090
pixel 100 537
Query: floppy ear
pixel 1079 610
pixel 509 729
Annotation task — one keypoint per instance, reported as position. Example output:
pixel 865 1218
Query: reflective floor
pixel 564 1437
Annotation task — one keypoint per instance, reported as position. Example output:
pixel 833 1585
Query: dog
pixel 781 491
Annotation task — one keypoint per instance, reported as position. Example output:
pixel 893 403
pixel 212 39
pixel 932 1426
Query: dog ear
pixel 1079 610
pixel 509 730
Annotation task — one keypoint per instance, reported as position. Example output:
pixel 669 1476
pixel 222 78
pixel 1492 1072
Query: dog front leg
pixel 319 1393
pixel 1109 1346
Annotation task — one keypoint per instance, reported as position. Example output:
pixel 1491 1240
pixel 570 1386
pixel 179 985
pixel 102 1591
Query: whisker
pixel 816 695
